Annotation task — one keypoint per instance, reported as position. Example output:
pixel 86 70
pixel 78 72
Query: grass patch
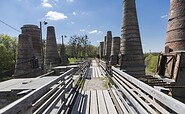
pixel 106 82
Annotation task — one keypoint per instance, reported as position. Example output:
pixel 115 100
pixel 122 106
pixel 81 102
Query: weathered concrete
pixel 115 49
pixel 26 64
pixel 52 56
pixel 34 33
pixel 108 46
pixel 131 55
pixel 175 36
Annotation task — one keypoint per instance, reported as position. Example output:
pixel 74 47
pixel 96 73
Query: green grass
pixel 151 63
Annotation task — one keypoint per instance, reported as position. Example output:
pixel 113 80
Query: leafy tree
pixel 79 46
pixel 8 47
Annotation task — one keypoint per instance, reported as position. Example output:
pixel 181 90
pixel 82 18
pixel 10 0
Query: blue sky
pixel 91 17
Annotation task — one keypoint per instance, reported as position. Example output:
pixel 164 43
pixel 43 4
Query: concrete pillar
pixel 108 46
pixel 34 33
pixel 26 64
pixel 52 56
pixel 175 36
pixel 131 54
pixel 115 49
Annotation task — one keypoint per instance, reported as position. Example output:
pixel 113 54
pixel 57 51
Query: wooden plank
pixel 146 97
pixel 110 106
pixel 86 104
pixel 122 107
pixel 93 106
pixel 76 106
pixel 101 103
pixel 99 73
pixel 93 73
pixel 129 97
pixel 125 102
pixel 136 96
pixel 170 102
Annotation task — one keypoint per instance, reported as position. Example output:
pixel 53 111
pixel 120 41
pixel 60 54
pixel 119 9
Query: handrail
pixel 19 105
pixel 122 80
pixel 168 101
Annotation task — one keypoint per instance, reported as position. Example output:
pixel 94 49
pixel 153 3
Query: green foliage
pixel 8 47
pixel 80 47
pixel 151 62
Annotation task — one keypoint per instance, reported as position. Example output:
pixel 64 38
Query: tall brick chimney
pixel 131 54
pixel 52 56
pixel 175 36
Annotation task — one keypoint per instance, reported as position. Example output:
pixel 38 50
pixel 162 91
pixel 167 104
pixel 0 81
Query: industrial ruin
pixel 31 61
pixel 113 83
pixel 127 53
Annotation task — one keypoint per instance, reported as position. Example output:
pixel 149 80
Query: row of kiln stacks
pixel 127 52
pixel 30 60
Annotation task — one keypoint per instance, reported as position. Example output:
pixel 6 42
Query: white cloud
pixel 74 13
pixel 70 1
pixel 164 16
pixel 53 15
pixel 94 31
pixel 46 4
pixel 82 30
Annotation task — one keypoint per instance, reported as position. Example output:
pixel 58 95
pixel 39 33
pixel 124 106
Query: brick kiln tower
pixel 63 56
pixel 108 46
pixel 131 54
pixel 52 56
pixel 104 47
pixel 34 33
pixel 115 49
pixel 26 64
pixel 171 64
pixel 175 36
pixel 101 50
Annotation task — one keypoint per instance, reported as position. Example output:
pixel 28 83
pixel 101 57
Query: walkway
pixel 94 98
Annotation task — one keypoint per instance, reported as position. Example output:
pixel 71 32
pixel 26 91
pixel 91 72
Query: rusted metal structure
pixel 100 50
pixel 131 54
pixel 115 49
pixel 34 33
pixel 108 46
pixel 52 56
pixel 175 36
pixel 171 64
pixel 63 56
pixel 26 64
